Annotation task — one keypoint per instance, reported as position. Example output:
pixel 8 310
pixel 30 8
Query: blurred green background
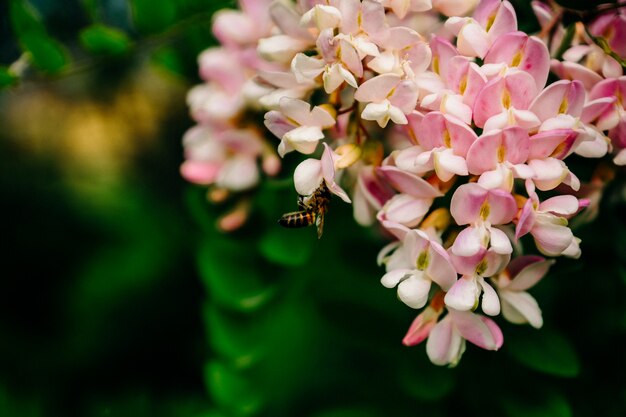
pixel 119 298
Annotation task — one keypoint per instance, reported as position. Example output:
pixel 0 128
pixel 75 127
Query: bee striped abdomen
pixel 297 219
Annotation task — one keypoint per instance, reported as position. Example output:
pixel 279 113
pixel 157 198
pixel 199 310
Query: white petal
pixel 392 278
pixel 520 307
pixel 490 301
pixel 413 291
pixel 499 241
pixel 307 176
pixel 463 295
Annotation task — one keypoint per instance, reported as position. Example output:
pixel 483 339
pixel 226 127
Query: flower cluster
pixel 445 134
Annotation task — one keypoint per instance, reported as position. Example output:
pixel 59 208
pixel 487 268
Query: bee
pixel 312 210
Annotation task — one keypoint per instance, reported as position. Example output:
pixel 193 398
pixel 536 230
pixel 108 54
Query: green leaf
pixel 91 7
pixel 542 404
pixel 25 18
pixel 236 340
pixel 101 39
pixel 231 390
pixel 153 16
pixel 430 384
pixel 544 351
pixel 47 54
pixel 361 411
pixel 169 59
pixel 7 78
pixel 289 247
pixel 232 275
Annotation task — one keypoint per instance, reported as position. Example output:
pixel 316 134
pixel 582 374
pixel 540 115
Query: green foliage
pixel 423 381
pixel 25 18
pixel 540 404
pixel 46 53
pixel 101 39
pixel 7 78
pixel 232 275
pixel 92 9
pixel 232 337
pixel 169 59
pixel 153 16
pixel 288 247
pixel 231 390
pixel 545 351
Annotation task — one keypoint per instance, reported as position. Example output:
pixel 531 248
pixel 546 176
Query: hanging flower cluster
pixel 444 133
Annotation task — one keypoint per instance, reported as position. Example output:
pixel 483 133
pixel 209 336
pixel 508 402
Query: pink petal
pixel 466 203
pixel 563 96
pixel 551 143
pixel 440 269
pixel 530 274
pixel 405 96
pixel 444 345
pixel 447 164
pixel 405 209
pixel 442 51
pixel 552 238
pixel 529 54
pixel 473 40
pixel 502 207
pixel 519 263
pixel 408 183
pixel 470 242
pixel 200 172
pixel 479 330
pixel 420 328
pixel 563 205
pixel 516 90
pixel 376 89
pixel 295 109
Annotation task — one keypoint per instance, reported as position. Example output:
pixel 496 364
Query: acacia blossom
pixel 447 134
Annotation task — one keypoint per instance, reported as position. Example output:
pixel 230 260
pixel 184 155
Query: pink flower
pixel 310 173
pixel 518 306
pixel 481 209
pixel 446 341
pixel 547 223
pixel 499 156
pixel 411 205
pixel 444 142
pixel 492 19
pixel 466 292
pixel 417 263
pixel 527 53
pixel 402 7
pixel 371 192
pixel 388 97
pixel 298 127
pixel 225 158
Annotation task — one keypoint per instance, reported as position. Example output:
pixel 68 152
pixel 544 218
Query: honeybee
pixel 312 210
